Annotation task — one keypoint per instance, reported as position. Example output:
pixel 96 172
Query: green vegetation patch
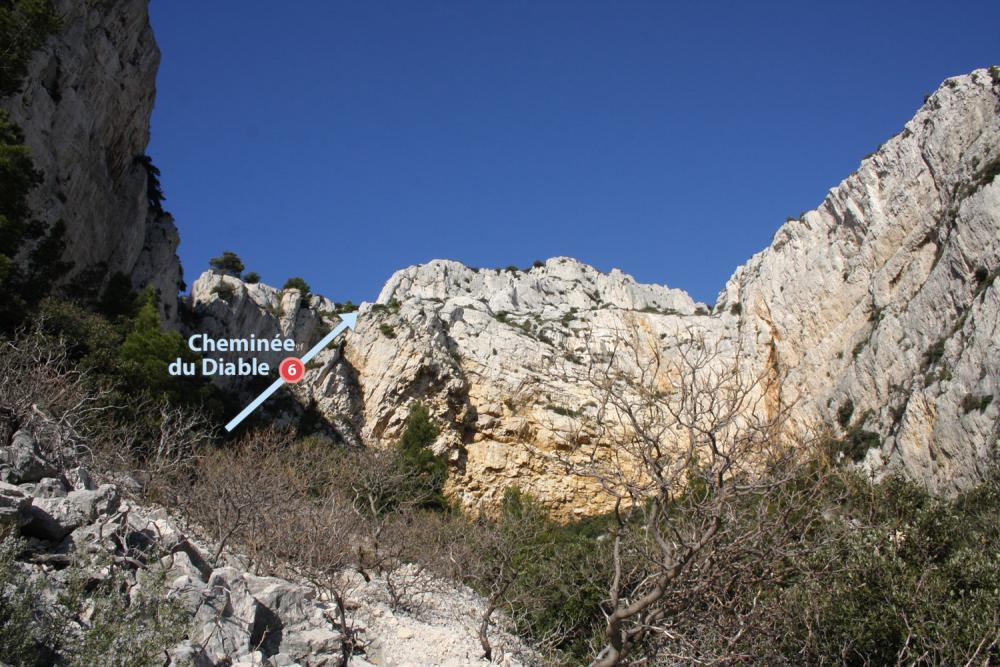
pixel 24 27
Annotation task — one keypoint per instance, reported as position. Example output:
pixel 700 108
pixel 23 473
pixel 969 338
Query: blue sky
pixel 340 141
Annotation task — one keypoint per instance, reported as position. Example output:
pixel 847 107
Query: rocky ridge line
pixel 878 311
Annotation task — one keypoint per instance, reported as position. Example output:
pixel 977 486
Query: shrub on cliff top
pixel 298 283
pixel 228 264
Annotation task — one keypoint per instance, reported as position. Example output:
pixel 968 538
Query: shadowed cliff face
pixel 85 109
pixel 876 312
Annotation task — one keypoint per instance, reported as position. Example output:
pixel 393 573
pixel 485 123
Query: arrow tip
pixel 350 319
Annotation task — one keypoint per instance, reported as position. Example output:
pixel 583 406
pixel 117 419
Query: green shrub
pixel 900 577
pixel 736 309
pixel 558 580
pixel 126 628
pixel 224 291
pixel 415 454
pixel 391 307
pixel 845 412
pixel 251 278
pixel 228 264
pixel 147 351
pixel 973 402
pixel 298 283
pixel 24 26
pixel 387 330
pixel 17 178
pixel 29 631
pixel 855 444
pixel 123 627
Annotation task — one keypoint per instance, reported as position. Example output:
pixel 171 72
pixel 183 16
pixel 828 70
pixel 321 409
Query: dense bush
pixel 228 264
pixel 898 577
pixel 130 353
pixel 17 178
pixel 121 628
pixel 298 283
pixel 148 349
pixel 555 596
pixel 414 454
pixel 24 26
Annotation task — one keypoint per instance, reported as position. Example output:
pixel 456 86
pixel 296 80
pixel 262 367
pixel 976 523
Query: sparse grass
pixel 561 410
pixel 976 402
pixel 658 311
pixel 568 317
pixel 224 291
pixel 845 413
pixel 391 307
pixel 935 352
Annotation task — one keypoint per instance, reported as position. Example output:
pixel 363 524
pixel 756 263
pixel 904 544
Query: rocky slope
pixel 885 297
pixel 877 312
pixel 82 530
pixel 85 110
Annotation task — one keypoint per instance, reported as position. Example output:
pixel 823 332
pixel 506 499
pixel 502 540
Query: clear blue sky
pixel 340 141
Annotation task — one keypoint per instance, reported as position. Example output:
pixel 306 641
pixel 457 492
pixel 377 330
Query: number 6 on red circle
pixel 292 370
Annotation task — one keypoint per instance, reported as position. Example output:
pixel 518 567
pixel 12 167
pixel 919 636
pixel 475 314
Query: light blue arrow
pixel 347 321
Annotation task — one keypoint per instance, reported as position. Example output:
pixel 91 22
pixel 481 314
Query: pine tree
pixel 415 456
pixel 148 350
pixel 228 264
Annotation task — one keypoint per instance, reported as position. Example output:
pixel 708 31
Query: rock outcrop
pixel 233 617
pixel 72 531
pixel 882 304
pixel 877 313
pixel 85 110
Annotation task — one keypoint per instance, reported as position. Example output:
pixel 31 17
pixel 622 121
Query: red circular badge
pixel 292 370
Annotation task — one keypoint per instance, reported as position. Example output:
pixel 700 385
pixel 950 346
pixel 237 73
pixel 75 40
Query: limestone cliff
pixel 883 301
pixel 878 311
pixel 85 109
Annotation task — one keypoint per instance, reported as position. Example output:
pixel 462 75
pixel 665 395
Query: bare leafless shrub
pixel 273 500
pixel 77 417
pixel 48 397
pixel 710 498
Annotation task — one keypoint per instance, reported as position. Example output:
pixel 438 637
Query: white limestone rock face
pixel 85 111
pixel 224 306
pixel 885 297
pixel 497 355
